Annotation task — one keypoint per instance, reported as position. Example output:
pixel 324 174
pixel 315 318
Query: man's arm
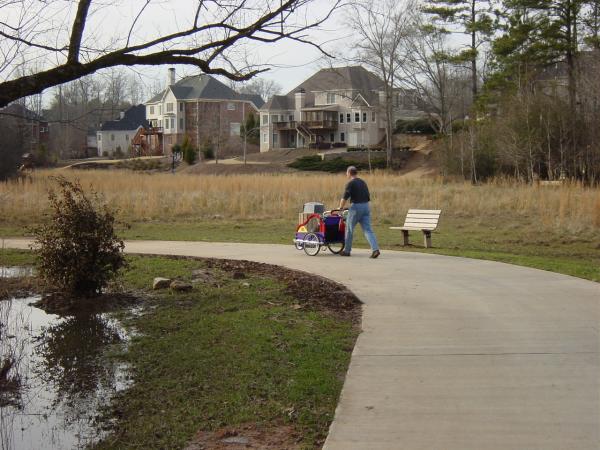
pixel 342 203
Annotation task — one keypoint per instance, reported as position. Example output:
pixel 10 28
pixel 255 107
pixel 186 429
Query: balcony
pixel 321 124
pixel 290 125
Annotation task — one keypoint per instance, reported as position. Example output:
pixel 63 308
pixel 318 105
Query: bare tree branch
pixel 233 22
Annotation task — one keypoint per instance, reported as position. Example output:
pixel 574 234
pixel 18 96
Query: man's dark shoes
pixel 344 254
pixel 375 254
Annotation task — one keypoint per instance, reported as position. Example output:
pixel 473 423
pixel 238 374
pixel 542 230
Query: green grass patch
pixel 221 355
pixel 339 164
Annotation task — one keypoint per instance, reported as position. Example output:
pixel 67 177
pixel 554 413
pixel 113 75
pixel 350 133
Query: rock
pixel 181 286
pixel 236 440
pixel 161 283
pixel 238 275
pixel 246 285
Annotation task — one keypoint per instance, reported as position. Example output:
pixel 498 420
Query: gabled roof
pixel 206 87
pixel 133 118
pixel 349 78
pixel 20 111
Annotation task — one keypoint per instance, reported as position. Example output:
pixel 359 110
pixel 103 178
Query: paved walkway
pixel 455 353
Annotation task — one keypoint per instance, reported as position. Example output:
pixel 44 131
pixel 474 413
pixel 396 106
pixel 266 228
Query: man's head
pixel 351 172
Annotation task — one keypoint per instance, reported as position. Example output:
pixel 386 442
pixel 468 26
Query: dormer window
pixel 330 98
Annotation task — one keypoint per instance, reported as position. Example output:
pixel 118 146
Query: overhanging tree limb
pixel 212 41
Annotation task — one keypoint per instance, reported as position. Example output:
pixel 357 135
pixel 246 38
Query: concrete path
pixel 455 353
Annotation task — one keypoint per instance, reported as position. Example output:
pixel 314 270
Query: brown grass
pixel 166 197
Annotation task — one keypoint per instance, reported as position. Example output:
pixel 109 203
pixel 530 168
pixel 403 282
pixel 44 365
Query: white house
pixel 117 135
pixel 335 107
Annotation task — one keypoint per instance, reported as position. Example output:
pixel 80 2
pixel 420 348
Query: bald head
pixel 351 171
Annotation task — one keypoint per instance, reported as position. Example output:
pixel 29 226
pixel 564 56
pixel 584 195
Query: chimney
pixel 171 77
pixel 300 98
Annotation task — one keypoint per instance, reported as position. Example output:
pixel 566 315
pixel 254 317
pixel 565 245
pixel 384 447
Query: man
pixel 357 192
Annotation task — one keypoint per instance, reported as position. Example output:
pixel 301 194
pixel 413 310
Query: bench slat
pixel 423 216
pixel 418 220
pixel 414 228
pixel 425 211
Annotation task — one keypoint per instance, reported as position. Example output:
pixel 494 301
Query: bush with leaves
pixel 78 250
pixel 189 153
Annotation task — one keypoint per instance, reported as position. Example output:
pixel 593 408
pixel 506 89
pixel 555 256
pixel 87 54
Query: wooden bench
pixel 425 220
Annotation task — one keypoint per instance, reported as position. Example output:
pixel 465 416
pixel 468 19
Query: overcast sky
pixel 290 62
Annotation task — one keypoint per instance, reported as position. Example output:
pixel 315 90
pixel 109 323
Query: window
pixel 160 124
pixel 160 110
pixel 152 110
pixel 331 137
pixel 181 107
pixel 341 118
pixel 274 138
pixel 364 116
pixel 357 117
pixel 330 98
pixel 348 117
pixel 181 123
pixel 127 137
pixel 99 137
pixel 234 129
pixel 166 124
pixel 291 117
pixel 265 119
pixel 169 107
pixel 172 123
pixel 373 116
pixel 112 137
pixel 265 138
pixel 231 106
pixel 342 137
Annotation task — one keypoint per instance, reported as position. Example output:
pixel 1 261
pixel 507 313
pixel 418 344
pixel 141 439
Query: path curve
pixel 455 353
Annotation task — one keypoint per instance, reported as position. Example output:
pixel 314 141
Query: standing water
pixel 58 379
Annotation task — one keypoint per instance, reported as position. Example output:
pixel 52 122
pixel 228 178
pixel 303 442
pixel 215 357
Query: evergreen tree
pixel 471 17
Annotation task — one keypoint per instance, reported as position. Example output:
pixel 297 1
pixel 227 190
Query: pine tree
pixel 471 17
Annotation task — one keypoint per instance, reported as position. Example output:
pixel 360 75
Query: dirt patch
pixel 311 291
pixel 248 436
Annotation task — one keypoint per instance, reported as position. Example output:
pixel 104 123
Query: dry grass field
pixel 139 196
pixel 549 227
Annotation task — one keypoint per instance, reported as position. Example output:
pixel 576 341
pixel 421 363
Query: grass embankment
pixel 553 228
pixel 230 352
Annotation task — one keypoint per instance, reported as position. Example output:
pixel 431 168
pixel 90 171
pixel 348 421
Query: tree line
pixel 510 86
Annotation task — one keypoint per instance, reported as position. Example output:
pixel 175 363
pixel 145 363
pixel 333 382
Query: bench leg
pixel 427 238
pixel 405 236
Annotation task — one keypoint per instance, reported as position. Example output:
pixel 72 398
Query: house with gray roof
pixel 335 107
pixel 116 136
pixel 202 109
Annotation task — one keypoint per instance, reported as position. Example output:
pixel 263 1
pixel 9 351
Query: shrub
pixel 118 154
pixel 105 154
pixel 189 153
pixel 339 164
pixel 208 152
pixel 78 251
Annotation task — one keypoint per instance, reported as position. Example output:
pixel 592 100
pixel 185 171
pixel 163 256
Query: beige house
pixel 336 107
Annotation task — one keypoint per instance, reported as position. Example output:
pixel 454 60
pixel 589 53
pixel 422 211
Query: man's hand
pixel 342 204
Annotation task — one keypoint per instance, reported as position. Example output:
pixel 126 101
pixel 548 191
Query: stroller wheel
pixel 298 245
pixel 336 247
pixel 312 244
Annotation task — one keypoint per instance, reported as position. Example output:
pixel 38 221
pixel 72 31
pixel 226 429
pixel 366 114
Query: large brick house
pixel 202 108
pixel 32 127
pixel 342 106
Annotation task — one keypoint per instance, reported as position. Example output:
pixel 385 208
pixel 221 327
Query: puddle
pixel 61 377
pixel 14 272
